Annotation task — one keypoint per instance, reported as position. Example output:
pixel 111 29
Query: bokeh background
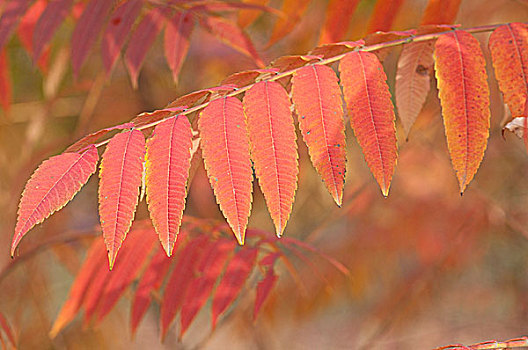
pixel 427 266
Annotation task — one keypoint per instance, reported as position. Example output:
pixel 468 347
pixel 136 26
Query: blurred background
pixel 427 266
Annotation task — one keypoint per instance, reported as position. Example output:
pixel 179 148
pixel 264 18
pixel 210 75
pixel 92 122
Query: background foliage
pixel 427 267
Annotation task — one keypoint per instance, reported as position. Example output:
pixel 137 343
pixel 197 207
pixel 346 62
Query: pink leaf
pixel 12 12
pixel 176 41
pixel 48 23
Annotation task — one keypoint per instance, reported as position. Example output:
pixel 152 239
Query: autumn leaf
pixel 55 182
pixel 273 148
pixel 176 41
pixel 121 169
pixel 225 150
pixel 464 94
pixel 338 16
pixel 371 113
pixel 317 99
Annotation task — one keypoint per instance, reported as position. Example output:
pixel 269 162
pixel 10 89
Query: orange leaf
pixel 413 81
pixel 317 99
pixel 338 16
pixel 273 148
pixel 464 96
pixel 267 283
pixel 168 161
pixel 293 11
pixel 225 150
pixel 55 182
pixel 235 275
pixel 508 45
pixel 121 171
pixel 371 113
pixel 246 17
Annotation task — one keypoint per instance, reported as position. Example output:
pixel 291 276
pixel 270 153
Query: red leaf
pixel 141 40
pixel 293 11
pixel 146 118
pixel 231 35
pixel 176 41
pixel 273 148
pixel 317 99
pixel 121 172
pixel 235 275
pixel 464 95
pixel 225 150
pixel 286 63
pixel 335 49
pixel 47 24
pixel 151 280
pixel 210 267
pixel 5 82
pixel 12 11
pixel 117 31
pixel 264 288
pixel 179 281
pixel 168 161
pixel 95 258
pixel 385 12
pixel 51 187
pixel 87 30
pixel 93 137
pixel 26 29
pixel 508 45
pixel 248 77
pixel 338 16
pixel 371 113
pixel 139 244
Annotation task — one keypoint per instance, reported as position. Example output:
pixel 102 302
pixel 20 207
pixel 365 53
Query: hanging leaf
pixel 11 13
pixel 52 17
pixel 267 283
pixel 176 41
pixel 247 17
pixel 508 45
pixel 234 278
pixel 413 81
pixel 90 267
pixel 120 174
pixel 338 16
pixel 317 99
pixel 293 11
pixel 273 148
pixel 87 30
pixel 150 281
pixel 209 269
pixel 93 137
pixel 117 31
pixel 168 160
pixel 26 30
pixel 384 13
pixel 230 34
pixel 179 280
pixel 371 113
pixel 55 182
pixel 225 150
pixel 464 96
pixel 141 40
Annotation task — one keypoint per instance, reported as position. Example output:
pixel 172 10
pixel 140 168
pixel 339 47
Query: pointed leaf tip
pixel 121 172
pixel 273 148
pixel 55 182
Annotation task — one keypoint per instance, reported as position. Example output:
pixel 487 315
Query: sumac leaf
pixel 225 150
pixel 52 17
pixel 168 160
pixel 464 96
pixel 317 98
pixel 51 187
pixel 121 171
pixel 176 41
pixel 273 148
pixel 338 16
pixel 371 113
